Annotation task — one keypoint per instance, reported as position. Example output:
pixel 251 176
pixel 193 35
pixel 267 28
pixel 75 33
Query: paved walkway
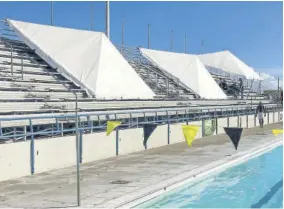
pixel 141 170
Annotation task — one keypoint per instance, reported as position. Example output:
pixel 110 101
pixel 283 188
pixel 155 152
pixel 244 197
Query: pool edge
pixel 131 201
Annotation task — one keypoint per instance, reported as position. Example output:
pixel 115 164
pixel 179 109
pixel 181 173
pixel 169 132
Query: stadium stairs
pixel 250 89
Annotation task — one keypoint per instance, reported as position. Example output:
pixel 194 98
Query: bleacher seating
pixel 28 85
pixel 161 82
pixel 249 93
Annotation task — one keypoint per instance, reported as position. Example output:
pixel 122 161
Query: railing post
pixel 228 121
pixel 273 115
pixel 90 124
pixel 216 126
pixel 203 127
pixel 130 120
pixel 0 129
pixel 81 145
pixel 62 129
pixel 32 149
pixel 25 133
pixel 117 142
pixel 169 128
pixel 57 125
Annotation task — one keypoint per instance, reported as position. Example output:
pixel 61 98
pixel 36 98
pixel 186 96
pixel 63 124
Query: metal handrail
pixel 173 118
pixel 114 112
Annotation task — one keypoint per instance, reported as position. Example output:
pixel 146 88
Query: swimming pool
pixel 257 183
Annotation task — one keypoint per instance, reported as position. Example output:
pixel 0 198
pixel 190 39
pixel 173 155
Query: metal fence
pixel 21 128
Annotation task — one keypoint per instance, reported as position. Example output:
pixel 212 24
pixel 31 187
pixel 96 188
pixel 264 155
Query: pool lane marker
pixel 196 174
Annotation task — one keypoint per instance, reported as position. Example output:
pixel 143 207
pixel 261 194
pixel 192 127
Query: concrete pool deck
pixel 142 170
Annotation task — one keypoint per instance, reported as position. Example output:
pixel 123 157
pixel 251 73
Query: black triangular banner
pixel 234 134
pixel 148 130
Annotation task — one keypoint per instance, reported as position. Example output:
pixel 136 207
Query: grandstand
pixel 139 62
pixel 35 83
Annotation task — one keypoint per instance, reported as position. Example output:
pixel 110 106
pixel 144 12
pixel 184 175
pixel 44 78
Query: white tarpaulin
pixel 87 58
pixel 189 70
pixel 228 62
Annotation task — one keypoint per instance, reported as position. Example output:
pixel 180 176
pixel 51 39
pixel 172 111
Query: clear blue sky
pixel 251 30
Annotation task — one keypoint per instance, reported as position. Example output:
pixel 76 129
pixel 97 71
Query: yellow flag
pixel 277 131
pixel 189 133
pixel 111 125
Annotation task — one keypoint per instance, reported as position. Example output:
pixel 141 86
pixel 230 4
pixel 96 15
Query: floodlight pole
pixel 92 13
pixel 172 36
pixel 122 32
pixel 77 154
pixel 107 20
pixel 185 43
pixel 278 90
pixel 148 36
pixel 51 13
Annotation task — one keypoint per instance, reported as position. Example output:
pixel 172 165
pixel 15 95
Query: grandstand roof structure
pixel 228 62
pixel 189 69
pixel 86 58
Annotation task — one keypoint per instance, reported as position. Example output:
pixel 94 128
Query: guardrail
pixel 34 127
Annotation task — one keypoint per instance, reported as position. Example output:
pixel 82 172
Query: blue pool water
pixel 257 183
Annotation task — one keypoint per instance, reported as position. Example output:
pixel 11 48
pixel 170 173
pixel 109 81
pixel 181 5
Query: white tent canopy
pixel 190 71
pixel 228 62
pixel 270 82
pixel 87 58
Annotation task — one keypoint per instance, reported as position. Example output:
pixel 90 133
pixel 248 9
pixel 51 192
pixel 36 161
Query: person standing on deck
pixel 260 112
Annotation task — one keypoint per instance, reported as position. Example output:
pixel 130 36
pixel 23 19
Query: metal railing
pixel 96 121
